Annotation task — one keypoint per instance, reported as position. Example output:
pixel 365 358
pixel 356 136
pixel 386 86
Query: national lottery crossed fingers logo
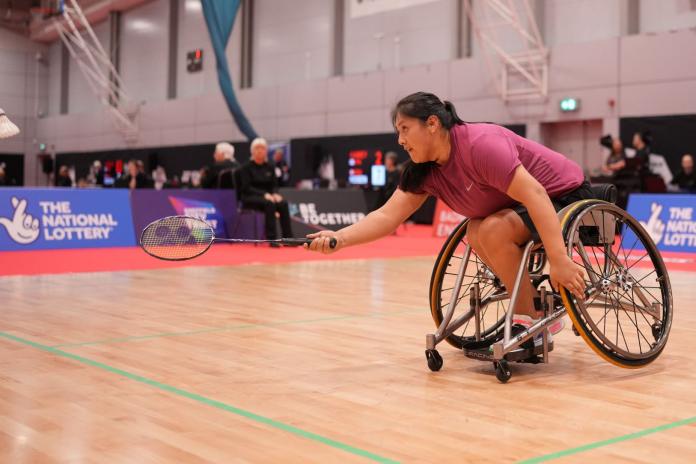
pixel 23 228
pixel 47 219
pixel 668 219
pixel 58 221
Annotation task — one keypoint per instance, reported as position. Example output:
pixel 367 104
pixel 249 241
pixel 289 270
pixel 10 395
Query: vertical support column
pixel 338 37
pixel 64 78
pixel 463 28
pixel 173 48
pixel 246 78
pixel 534 131
pixel 629 11
pixel 114 52
pixel 540 17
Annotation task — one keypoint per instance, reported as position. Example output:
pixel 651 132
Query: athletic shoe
pixel 524 322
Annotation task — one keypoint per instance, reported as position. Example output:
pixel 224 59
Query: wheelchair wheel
pixel 627 312
pixel 442 284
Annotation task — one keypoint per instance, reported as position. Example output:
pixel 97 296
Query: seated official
pixel 224 160
pixel 685 179
pixel 258 189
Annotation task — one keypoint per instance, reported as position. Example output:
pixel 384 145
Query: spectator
pixel 134 179
pixel 3 178
pixel 282 170
pixel 224 159
pixel 617 167
pixel 258 190
pixel 642 142
pixel 617 158
pixel 686 177
pixel 393 174
pixel 96 174
pixel 149 182
pixel 63 178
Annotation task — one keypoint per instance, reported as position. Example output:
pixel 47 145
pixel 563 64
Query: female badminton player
pixel 510 188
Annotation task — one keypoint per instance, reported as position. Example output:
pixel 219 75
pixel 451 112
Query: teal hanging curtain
pixel 219 17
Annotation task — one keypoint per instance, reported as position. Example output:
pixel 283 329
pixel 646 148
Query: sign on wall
pixel 42 219
pixel 445 220
pixel 315 210
pixel 217 207
pixel 670 220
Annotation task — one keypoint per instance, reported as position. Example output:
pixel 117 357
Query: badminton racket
pixel 177 238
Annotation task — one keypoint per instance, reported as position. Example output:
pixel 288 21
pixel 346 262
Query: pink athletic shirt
pixel 482 162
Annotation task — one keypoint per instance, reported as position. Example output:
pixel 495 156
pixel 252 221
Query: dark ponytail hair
pixel 422 105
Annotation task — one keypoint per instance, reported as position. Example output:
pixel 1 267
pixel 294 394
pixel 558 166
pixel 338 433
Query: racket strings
pixel 177 238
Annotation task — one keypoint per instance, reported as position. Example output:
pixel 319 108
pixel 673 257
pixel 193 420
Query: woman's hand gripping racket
pixel 177 238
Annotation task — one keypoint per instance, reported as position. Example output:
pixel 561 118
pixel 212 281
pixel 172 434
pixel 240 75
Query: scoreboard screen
pixel 366 168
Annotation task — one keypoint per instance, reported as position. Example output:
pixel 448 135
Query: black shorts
pixel 583 192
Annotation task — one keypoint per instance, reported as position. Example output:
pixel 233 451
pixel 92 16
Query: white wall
pixel 577 21
pixel 144 51
pixel 193 34
pixel 665 15
pixel 54 63
pixel 649 74
pixel 419 34
pixel 293 41
pixel 81 97
pixel 23 93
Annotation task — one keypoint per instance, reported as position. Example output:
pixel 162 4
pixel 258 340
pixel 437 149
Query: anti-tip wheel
pixel 502 371
pixel 434 360
pixel 656 329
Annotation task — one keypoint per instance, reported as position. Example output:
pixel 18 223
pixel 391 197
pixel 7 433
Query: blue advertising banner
pixel 217 207
pixel 668 219
pixel 44 219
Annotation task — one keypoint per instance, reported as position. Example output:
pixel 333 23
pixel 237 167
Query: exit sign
pixel 570 104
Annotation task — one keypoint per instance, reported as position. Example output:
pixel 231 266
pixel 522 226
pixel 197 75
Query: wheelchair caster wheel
pixel 656 329
pixel 434 360
pixel 575 331
pixel 502 371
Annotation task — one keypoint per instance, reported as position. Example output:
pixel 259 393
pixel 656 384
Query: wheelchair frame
pixel 508 348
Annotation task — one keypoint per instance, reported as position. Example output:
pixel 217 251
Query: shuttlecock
pixel 7 127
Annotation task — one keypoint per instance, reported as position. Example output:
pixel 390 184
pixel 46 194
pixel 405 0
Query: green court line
pixel 204 400
pixel 234 327
pixel 610 441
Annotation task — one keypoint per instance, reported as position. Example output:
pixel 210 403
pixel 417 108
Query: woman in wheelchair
pixel 503 182
pixel 510 189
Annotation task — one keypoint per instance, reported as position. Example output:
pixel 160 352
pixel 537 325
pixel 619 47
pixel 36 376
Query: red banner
pixel 445 220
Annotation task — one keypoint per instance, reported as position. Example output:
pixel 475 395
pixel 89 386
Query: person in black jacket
pixel 685 179
pixel 224 160
pixel 258 189
pixel 63 178
pixel 134 179
pixel 642 142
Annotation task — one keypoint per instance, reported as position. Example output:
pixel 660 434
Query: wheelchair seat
pixel 605 192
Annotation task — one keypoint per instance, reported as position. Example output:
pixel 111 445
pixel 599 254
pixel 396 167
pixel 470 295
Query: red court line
pixel 410 241
pixel 414 240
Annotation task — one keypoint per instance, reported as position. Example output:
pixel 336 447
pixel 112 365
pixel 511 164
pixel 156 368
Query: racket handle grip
pixel 301 241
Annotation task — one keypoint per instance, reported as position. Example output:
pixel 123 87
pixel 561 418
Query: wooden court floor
pixel 309 362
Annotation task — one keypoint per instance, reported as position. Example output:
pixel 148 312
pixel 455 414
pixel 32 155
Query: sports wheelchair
pixel 625 315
